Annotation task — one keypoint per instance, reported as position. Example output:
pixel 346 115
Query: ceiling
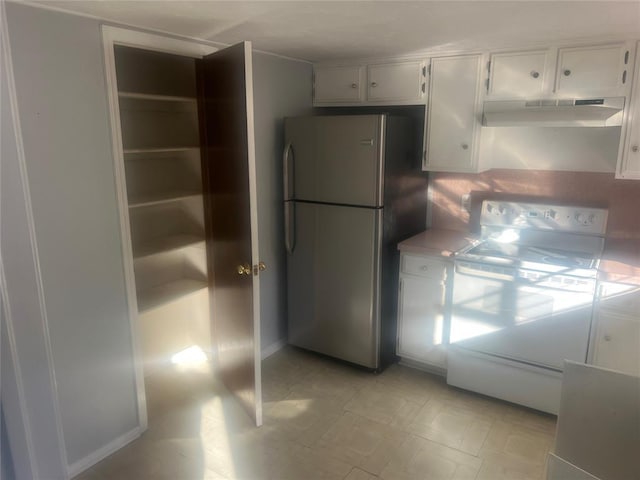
pixel 331 30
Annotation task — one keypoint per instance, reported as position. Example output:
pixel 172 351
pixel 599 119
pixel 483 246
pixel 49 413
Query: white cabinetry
pixel 421 307
pixel 397 83
pixel 453 124
pixel 616 342
pixel 343 84
pixel 567 72
pixel 629 162
pixel 596 70
pixel 518 74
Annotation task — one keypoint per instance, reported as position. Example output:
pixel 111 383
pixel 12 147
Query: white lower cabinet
pixel 616 341
pixel 421 310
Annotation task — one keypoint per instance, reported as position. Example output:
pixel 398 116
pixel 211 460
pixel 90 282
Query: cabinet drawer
pixel 620 297
pixel 423 266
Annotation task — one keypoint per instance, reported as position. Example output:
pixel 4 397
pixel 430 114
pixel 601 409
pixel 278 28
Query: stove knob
pixel 584 218
pixel 493 209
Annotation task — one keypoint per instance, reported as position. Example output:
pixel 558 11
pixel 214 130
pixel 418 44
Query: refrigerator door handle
pixel 289 227
pixel 287 171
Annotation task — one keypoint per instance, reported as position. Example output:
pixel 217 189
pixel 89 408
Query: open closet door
pixel 229 175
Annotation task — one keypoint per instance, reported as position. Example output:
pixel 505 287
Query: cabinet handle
pixel 635 148
pixel 424 268
pixel 354 85
pixel 567 73
pixel 535 74
pixel 465 146
pixel 374 84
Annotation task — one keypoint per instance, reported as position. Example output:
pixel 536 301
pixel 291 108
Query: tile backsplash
pixel 621 197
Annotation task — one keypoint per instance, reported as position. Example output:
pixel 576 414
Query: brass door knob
pixel 244 269
pixel 262 266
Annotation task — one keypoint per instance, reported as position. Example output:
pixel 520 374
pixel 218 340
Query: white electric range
pixel 522 300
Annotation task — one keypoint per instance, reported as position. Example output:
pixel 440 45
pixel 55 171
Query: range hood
pixel 593 112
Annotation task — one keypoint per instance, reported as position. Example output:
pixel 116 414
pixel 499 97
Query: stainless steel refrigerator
pixel 353 188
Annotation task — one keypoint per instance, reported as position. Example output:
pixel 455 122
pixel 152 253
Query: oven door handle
pixel 588 288
pixel 472 272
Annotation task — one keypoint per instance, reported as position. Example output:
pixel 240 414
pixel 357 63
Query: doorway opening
pixel 160 135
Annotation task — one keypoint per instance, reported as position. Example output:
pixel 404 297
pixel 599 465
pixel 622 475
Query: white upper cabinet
pixel 567 72
pixel 596 70
pixel 629 161
pixel 518 74
pixel 396 82
pixel 338 84
pixel 452 123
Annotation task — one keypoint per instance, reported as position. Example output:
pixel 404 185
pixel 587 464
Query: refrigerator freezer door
pixel 336 159
pixel 334 281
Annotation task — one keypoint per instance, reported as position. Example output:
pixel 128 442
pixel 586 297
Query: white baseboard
pixel 102 453
pixel 273 348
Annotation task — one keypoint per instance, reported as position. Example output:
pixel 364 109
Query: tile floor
pixel 326 420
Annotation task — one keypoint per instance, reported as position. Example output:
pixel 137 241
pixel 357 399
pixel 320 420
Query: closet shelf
pixel 162 98
pixel 157 199
pixel 168 292
pixel 129 151
pixel 167 244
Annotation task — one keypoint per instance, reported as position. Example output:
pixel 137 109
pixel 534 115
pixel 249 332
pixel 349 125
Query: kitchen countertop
pixel 436 242
pixel 620 261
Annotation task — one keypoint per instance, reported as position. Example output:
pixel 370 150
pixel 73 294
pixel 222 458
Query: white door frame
pixel 255 244
pixel 112 36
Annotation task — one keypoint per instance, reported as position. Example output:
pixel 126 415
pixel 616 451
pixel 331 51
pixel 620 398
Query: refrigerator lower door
pixel 334 282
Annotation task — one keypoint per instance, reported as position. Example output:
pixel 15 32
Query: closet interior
pixel 161 145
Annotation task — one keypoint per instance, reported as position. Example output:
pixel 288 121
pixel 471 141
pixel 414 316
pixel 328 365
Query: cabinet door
pixel 629 162
pixel 338 84
pixel 517 74
pixel 421 320
pixel 452 114
pixel 616 342
pixel 397 82
pixel 586 70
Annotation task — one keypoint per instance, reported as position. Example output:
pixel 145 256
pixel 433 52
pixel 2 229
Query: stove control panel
pixel 587 220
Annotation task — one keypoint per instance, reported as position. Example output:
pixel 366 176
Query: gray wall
pixel 28 392
pixel 60 83
pixel 282 88
pixel 6 463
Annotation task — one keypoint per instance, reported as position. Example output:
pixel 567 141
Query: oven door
pixel 540 322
